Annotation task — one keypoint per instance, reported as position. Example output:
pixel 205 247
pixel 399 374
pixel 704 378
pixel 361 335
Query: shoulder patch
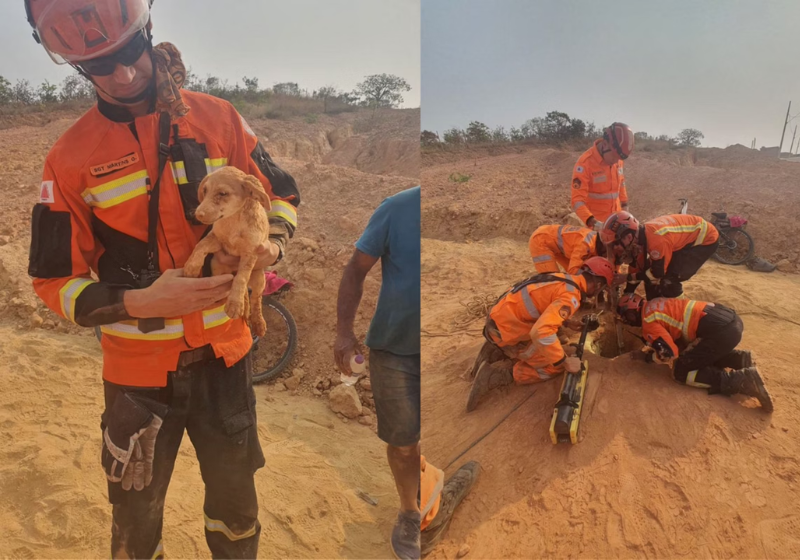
pixel 576 183
pixel 46 195
pixel 579 169
pixel 564 312
pixel 655 254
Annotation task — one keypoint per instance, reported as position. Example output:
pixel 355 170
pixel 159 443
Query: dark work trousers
pixel 719 331
pixel 685 264
pixel 215 405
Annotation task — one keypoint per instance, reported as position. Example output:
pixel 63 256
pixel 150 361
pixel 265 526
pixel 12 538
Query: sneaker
pixel 489 377
pixel 405 536
pixel 455 490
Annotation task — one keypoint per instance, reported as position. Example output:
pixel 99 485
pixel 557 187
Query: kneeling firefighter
pixel 711 331
pixel 524 323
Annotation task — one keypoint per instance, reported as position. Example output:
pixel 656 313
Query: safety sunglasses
pixel 127 56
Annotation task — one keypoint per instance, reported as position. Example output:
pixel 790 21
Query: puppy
pixel 236 204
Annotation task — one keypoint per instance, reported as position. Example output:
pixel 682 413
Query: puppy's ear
pixel 254 187
pixel 201 189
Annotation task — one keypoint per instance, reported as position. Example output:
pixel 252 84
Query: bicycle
pixel 735 244
pixel 271 355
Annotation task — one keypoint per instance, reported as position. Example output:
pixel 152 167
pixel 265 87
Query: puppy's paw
pixel 258 326
pixel 193 268
pixel 234 308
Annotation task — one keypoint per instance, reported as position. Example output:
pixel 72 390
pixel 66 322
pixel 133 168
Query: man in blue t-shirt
pixel 393 236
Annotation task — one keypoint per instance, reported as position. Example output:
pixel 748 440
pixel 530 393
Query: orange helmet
pixel 76 30
pixel 598 266
pixel 620 137
pixel 629 308
pixel 617 225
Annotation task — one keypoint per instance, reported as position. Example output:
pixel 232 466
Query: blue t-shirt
pixel 393 235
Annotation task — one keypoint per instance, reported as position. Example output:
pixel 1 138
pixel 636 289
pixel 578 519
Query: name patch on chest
pixel 115 165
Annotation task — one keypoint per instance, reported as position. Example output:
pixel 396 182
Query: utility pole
pixel 785 122
pixel 791 146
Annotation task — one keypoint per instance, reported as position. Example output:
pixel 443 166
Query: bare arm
pixel 351 289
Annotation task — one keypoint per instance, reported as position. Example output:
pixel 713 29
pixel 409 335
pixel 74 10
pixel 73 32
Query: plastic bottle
pixel 357 366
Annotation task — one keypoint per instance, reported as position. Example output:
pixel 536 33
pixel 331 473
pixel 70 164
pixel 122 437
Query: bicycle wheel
pixel 735 246
pixel 273 351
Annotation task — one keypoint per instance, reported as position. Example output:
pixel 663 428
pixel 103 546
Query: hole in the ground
pixel 603 341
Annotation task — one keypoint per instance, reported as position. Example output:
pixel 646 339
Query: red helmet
pixel 598 266
pixel 630 302
pixel 620 137
pixel 76 30
pixel 617 225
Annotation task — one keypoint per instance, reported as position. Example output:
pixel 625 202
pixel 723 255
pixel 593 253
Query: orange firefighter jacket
pixel 598 190
pixel 672 319
pixel 89 229
pixel 535 312
pixel 575 243
pixel 667 234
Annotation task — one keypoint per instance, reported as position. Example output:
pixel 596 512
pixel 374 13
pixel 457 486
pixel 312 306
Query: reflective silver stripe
pixel 561 239
pixel 542 258
pixel 179 174
pixel 69 294
pixel 437 489
pixel 218 526
pixel 526 299
pixel 548 340
pixel 543 374
pixel 528 352
pixel 578 205
pixel 589 236
pixel 690 380
pixel 604 196
pixel 159 552
pixel 95 199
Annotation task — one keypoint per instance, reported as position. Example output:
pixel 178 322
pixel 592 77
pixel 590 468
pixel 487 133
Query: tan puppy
pixel 237 205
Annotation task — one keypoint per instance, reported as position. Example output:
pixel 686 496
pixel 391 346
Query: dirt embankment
pixel 384 142
pixel 510 194
pixel 52 490
pixel 661 470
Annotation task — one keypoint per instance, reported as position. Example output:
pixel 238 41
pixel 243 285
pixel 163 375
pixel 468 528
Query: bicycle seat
pixel 720 215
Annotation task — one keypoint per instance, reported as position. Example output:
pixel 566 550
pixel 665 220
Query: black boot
pixel 748 382
pixel 489 376
pixel 737 359
pixel 670 288
pixel 455 490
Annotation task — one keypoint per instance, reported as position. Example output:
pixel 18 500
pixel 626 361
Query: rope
pixel 477 441
pixel 477 307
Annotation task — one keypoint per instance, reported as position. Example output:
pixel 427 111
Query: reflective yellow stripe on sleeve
pixel 69 293
pixel 284 210
pixel 117 191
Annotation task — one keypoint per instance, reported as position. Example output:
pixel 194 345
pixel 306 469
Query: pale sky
pixel 311 42
pixel 728 68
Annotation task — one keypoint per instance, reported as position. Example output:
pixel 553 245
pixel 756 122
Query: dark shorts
pixel 395 388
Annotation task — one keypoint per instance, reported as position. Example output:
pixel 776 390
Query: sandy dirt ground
pixel 52 490
pixel 661 470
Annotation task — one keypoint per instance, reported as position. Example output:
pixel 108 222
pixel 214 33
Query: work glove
pixel 597 225
pixel 572 364
pixel 129 440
